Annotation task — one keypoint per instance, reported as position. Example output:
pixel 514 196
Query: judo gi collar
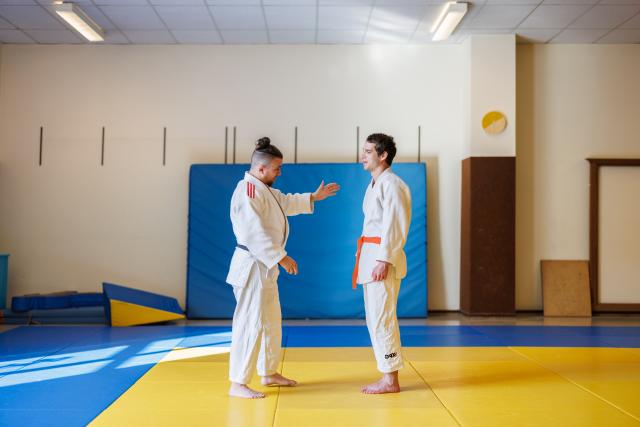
pixel 255 181
pixel 382 175
pixel 252 179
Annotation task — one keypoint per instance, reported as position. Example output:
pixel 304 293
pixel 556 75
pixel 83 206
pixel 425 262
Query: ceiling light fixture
pixel 451 15
pixel 80 21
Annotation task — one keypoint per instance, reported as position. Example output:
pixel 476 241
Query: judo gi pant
pixel 380 301
pixel 257 330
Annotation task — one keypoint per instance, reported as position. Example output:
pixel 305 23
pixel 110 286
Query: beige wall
pixel 72 224
pixel 491 87
pixel 573 102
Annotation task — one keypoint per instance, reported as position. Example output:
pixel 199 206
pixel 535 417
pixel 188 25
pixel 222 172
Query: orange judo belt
pixel 361 240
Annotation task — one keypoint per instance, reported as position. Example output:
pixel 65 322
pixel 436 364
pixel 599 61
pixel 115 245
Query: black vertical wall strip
pixel 295 148
pixel 226 141
pixel 40 155
pixel 419 142
pixel 357 144
pixel 102 150
pixel 164 147
pixel 234 145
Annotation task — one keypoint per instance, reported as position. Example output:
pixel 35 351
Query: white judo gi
pixel 259 218
pixel 387 215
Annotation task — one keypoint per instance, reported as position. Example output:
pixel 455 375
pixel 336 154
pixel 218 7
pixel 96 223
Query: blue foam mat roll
pixel 61 300
pixel 80 315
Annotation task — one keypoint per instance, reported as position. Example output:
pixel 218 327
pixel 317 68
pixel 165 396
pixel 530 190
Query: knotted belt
pixel 361 241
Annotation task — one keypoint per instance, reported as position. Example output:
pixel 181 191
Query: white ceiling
pixel 322 21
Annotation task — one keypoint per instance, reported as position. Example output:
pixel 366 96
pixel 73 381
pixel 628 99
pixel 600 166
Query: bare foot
pixel 241 390
pixel 277 379
pixel 387 384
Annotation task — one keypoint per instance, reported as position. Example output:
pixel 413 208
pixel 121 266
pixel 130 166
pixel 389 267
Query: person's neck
pixel 255 175
pixel 378 171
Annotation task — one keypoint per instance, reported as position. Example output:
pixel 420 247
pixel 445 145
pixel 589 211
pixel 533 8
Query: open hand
pixel 289 265
pixel 325 191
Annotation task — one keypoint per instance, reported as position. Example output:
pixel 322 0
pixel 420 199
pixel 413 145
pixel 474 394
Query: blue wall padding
pixel 144 298
pixel 323 244
pixel 50 302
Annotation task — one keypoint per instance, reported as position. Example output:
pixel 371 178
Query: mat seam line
pixel 435 394
pixel 576 384
pixel 275 409
pixel 135 382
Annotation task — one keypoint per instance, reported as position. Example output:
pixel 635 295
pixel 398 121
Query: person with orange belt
pixel 380 259
pixel 259 219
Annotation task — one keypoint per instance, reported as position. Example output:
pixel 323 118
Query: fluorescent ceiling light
pixel 80 21
pixel 448 20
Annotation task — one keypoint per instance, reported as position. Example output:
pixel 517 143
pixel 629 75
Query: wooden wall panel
pixel 487 264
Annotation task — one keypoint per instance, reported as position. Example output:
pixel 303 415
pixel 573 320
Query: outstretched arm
pixel 294 204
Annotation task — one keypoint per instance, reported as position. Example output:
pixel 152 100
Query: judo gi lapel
pixel 273 199
pixel 368 204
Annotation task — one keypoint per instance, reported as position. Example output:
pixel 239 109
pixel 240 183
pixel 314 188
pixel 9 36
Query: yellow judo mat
pixel 441 386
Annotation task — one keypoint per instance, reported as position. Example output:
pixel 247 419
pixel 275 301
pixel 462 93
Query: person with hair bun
pixel 259 219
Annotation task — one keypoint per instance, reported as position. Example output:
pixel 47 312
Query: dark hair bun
pixel 263 143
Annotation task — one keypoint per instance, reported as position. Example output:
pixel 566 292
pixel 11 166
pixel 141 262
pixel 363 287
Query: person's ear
pixel 383 156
